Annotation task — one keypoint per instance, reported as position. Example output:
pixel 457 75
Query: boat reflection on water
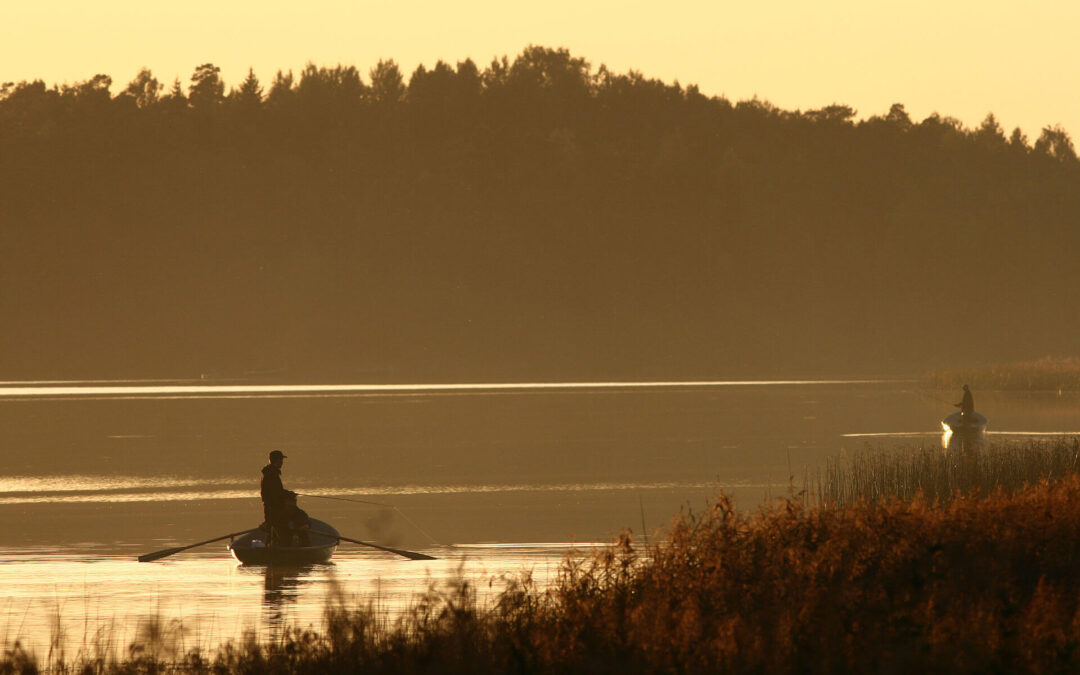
pixel 282 586
pixel 963 432
pixel 963 440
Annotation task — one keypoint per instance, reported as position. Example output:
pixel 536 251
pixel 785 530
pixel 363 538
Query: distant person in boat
pixel 967 405
pixel 274 495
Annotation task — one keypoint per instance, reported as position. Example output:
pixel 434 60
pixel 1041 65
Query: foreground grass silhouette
pixel 978 583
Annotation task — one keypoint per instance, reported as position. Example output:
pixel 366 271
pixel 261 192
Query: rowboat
pixel 957 422
pixel 252 547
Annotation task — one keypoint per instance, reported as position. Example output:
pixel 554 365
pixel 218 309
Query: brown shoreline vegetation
pixel 906 473
pixel 979 582
pixel 1045 374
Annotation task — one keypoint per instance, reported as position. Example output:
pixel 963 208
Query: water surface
pixel 492 479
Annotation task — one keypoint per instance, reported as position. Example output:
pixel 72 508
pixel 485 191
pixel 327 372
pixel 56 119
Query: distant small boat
pixel 252 548
pixel 959 422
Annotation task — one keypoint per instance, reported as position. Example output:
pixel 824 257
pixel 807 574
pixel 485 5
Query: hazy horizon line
pixel 166 388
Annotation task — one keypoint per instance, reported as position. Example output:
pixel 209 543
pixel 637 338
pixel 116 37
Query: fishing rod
pixel 344 499
pixel 373 503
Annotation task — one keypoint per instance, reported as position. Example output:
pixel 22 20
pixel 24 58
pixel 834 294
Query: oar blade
pixel 411 555
pixel 158 555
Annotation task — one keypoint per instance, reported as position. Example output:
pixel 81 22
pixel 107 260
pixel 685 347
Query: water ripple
pixel 115 489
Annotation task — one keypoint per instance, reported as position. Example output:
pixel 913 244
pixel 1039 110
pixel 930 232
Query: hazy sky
pixel 960 58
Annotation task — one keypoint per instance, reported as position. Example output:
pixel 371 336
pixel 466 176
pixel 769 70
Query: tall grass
pixel 1045 374
pixel 981 468
pixel 985 581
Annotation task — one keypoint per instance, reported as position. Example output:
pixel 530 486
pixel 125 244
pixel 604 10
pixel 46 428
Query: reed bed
pixel 1045 374
pixel 984 581
pixel 939 475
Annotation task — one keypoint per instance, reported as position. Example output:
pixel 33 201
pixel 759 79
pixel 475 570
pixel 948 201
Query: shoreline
pixel 978 580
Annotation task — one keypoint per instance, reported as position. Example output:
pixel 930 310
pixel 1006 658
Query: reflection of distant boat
pixel 958 422
pixel 250 548
pixel 963 432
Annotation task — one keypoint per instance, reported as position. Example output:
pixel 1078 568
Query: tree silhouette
pixel 175 99
pixel 834 114
pixel 898 117
pixel 250 93
pixel 91 92
pixel 553 70
pixel 330 90
pixel 1055 142
pixel 1018 140
pixel 387 84
pixel 144 89
pixel 537 217
pixel 281 90
pixel 207 88
pixel 990 134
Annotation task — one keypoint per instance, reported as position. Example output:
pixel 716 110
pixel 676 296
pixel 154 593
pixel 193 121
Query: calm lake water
pixel 491 481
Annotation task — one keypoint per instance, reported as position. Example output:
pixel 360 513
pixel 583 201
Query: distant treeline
pixel 535 218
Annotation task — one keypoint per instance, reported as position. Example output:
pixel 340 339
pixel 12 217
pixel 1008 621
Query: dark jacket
pixel 272 491
pixel 967 404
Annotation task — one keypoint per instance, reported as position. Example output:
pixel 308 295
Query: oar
pixel 411 555
pixel 158 555
pixel 384 504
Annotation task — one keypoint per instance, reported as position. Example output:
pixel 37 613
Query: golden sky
pixel 961 58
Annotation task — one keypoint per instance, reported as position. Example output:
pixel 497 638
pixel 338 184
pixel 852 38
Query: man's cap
pixel 274 454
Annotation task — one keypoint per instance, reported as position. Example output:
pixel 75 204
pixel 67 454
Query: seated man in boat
pixel 275 496
pixel 295 524
pixel 967 405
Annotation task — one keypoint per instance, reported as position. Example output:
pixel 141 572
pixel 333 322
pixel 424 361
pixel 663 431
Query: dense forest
pixel 539 218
